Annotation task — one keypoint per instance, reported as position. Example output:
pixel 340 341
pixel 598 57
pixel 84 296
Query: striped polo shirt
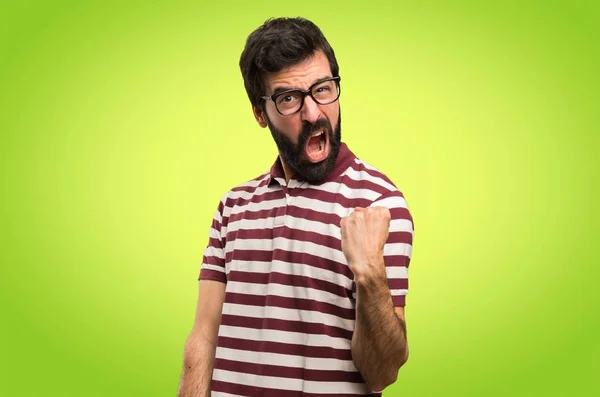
pixel 289 309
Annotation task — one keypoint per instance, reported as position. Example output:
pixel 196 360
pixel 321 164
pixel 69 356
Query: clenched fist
pixel 364 233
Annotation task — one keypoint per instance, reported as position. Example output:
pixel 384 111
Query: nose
pixel 310 111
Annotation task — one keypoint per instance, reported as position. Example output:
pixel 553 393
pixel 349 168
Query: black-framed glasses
pixel 323 92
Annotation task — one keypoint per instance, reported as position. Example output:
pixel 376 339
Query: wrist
pixel 370 274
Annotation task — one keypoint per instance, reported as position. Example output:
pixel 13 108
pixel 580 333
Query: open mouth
pixel 317 146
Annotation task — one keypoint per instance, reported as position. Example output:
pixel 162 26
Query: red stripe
pixel 286 325
pixel 331 198
pixel 289 279
pixel 311 193
pixel 399 300
pixel 400 237
pixel 264 180
pixel 267 195
pixel 249 234
pixel 293 210
pixel 254 391
pixel 216 225
pixel 213 260
pixel 303 236
pixel 208 274
pixel 400 213
pixel 285 348
pixel 398 283
pixel 396 260
pixel 294 258
pixel 391 193
pixel 252 215
pixel 288 372
pixel 366 184
pixel 289 233
pixel 305 213
pixel 312 215
pixel 290 303
pixel 214 242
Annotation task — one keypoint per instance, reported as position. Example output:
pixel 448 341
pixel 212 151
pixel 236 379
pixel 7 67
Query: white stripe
pixel 301 202
pixel 397 292
pixel 396 272
pixel 292 269
pixel 323 207
pixel 397 249
pixel 273 312
pixel 288 291
pixel 250 244
pixel 244 195
pixel 345 191
pixel 212 267
pixel 290 384
pixel 396 225
pixel 251 224
pixel 296 223
pixel 217 217
pixel 214 233
pixel 271 335
pixel 401 225
pixel 262 205
pixel 361 176
pixel 214 251
pixel 256 182
pixel 391 202
pixel 221 394
pixel 329 187
pixel 286 360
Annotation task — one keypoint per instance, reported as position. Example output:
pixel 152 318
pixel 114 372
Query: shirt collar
pixel 343 161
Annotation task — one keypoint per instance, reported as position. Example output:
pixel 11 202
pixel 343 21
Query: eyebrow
pixel 281 89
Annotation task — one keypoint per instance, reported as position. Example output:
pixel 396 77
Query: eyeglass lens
pixel 323 93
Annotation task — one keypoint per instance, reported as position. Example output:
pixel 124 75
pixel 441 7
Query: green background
pixel 122 126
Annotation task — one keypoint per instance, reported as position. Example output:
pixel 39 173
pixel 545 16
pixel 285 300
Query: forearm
pixel 198 362
pixel 379 346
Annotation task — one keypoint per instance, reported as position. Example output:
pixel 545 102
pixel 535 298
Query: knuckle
pixel 383 211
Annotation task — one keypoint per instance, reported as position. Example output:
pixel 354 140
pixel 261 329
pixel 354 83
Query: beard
pixel 294 154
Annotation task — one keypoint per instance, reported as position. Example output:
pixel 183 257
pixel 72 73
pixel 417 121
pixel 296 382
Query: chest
pixel 289 239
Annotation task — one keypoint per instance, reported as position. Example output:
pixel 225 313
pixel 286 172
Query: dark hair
pixel 279 43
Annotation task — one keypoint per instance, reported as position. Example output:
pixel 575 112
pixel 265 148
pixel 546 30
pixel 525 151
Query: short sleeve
pixel 213 261
pixel 398 248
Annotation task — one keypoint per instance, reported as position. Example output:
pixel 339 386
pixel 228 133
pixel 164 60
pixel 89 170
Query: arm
pixel 199 353
pixel 379 345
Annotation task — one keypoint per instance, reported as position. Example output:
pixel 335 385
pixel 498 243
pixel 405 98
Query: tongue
pixel 316 148
pixel 313 144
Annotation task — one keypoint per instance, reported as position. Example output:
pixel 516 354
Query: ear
pixel 260 116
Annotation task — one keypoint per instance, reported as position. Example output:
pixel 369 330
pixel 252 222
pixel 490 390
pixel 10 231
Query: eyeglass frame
pixel 306 93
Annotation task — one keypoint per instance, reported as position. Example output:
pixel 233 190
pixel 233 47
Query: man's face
pixel 309 140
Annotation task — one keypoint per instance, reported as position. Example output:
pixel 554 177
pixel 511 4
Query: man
pixel 302 286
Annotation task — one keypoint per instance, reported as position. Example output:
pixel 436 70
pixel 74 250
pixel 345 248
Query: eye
pixel 323 88
pixel 288 99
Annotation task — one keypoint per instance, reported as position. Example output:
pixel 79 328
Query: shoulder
pixel 243 193
pixel 363 175
pixel 385 193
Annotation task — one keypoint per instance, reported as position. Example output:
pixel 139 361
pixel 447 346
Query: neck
pixel 287 170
